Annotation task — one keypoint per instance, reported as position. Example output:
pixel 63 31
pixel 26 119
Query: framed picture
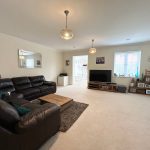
pixel 100 60
pixel 38 62
pixel 148 92
pixel 147 85
pixel 67 62
pixel 141 85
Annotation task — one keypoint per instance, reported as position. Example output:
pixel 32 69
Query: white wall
pixel 52 61
pixel 108 53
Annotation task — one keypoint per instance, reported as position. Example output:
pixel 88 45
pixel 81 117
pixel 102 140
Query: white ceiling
pixel 110 22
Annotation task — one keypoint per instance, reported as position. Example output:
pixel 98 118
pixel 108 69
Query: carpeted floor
pixel 112 121
pixel 71 114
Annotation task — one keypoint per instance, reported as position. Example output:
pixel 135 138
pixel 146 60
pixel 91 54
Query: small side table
pixel 63 80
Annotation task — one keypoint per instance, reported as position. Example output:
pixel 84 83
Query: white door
pixel 80 69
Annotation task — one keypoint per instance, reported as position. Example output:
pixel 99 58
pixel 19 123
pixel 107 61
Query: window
pixel 127 64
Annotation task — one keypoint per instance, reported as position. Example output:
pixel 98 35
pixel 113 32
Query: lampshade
pixel 66 34
pixel 92 50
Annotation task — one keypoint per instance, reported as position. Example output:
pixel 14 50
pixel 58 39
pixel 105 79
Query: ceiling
pixel 109 22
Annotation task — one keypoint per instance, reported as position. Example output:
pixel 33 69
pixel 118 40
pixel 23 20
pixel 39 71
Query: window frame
pixel 126 53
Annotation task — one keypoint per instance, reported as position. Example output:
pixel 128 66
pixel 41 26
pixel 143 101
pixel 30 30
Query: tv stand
pixel 104 86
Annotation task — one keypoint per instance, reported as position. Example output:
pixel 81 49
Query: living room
pixel 75 116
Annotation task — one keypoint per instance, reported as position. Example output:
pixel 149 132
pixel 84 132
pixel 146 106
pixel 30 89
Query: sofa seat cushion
pixel 17 101
pixel 44 88
pixel 30 91
pixel 32 106
pixel 22 110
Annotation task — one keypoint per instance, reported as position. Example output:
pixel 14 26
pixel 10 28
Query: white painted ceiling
pixel 110 22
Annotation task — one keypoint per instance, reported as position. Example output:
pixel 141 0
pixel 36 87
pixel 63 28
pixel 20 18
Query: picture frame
pixel 67 62
pixel 141 85
pixel 100 60
pixel 148 92
pixel 147 85
pixel 38 62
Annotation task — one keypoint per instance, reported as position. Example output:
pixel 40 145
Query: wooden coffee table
pixel 59 100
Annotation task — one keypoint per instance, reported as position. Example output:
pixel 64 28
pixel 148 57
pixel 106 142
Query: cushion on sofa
pixel 50 83
pixel 8 115
pixel 21 83
pixel 44 88
pixel 21 109
pixel 17 101
pixel 30 91
pixel 37 80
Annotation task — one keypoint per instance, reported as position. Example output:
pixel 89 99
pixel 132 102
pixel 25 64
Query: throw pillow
pixel 21 110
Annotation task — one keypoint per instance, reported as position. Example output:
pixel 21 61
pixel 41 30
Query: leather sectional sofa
pixel 30 87
pixel 29 131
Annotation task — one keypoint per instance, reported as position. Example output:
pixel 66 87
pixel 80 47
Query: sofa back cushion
pixel 8 115
pixel 37 80
pixel 21 83
pixel 6 85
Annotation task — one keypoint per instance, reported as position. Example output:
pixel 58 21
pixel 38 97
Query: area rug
pixel 71 114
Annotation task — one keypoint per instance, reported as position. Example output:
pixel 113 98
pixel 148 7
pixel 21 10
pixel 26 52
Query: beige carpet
pixel 113 121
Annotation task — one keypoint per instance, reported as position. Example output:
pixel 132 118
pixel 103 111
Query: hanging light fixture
pixel 92 50
pixel 66 33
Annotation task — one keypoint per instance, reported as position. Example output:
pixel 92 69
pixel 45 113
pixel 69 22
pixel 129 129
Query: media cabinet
pixel 104 86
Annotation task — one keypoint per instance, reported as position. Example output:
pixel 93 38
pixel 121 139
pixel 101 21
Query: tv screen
pixel 100 75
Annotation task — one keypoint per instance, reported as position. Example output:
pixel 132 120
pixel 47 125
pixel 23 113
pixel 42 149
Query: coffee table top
pixel 56 99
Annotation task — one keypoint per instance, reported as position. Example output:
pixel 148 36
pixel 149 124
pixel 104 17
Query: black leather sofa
pixel 30 131
pixel 30 87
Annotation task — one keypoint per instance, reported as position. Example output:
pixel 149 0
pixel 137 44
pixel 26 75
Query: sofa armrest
pixel 50 83
pixel 36 118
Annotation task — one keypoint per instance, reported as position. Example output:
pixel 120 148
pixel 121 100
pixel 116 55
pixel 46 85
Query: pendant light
pixel 92 50
pixel 66 33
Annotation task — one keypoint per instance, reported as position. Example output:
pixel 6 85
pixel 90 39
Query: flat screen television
pixel 100 75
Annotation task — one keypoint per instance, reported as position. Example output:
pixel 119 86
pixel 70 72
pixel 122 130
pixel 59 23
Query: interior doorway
pixel 80 69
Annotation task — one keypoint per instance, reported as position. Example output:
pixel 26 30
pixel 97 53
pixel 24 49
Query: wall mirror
pixel 29 59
